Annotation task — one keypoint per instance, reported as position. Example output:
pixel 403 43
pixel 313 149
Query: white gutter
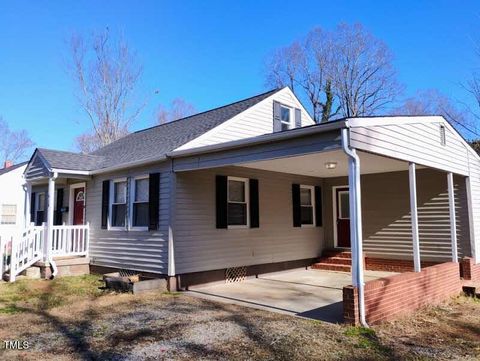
pixel 356 224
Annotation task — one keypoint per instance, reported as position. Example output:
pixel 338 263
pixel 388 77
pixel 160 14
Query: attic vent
pixel 235 274
pixel 443 137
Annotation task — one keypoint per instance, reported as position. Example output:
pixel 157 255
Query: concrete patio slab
pixel 314 294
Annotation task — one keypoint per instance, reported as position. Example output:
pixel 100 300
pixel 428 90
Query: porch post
pixel 50 214
pixel 453 221
pixel 471 223
pixel 28 205
pixel 414 217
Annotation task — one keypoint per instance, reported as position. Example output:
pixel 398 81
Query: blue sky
pixel 211 52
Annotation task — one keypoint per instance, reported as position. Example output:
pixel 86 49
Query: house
pixel 12 197
pixel 257 186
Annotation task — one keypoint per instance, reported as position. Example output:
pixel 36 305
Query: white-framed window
pixel 238 202
pixel 307 205
pixel 139 202
pixel 8 214
pixel 118 204
pixel 286 118
pixel 40 208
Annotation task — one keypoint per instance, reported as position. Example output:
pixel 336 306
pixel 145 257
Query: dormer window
pixel 286 118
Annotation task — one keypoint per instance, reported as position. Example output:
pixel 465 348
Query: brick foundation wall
pixel 390 297
pixel 469 270
pixel 393 265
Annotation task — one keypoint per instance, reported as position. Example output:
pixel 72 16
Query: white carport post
pixel 414 217
pixel 453 221
pixel 49 231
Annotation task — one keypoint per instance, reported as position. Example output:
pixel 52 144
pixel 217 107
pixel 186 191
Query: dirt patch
pixel 91 325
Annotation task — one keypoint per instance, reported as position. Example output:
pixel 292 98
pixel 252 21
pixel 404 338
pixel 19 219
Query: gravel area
pixel 179 327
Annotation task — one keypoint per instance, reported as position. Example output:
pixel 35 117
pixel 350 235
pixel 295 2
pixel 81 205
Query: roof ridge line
pixel 209 110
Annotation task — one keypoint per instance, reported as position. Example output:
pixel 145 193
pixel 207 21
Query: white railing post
pixel 87 239
pixel 13 260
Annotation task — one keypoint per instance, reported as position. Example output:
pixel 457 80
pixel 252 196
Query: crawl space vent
pixel 235 274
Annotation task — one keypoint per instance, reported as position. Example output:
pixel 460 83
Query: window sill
pixel 117 229
pixel 308 225
pixel 238 226
pixel 139 229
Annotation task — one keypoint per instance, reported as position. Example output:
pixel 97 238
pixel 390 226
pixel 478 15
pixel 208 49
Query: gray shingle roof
pixel 151 142
pixel 72 161
pixel 13 167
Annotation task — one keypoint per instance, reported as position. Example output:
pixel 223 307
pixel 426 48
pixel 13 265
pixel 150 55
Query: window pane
pixel 305 196
pixel 41 202
pixel 119 192
pixel 118 215
pixel 141 190
pixel 285 114
pixel 237 214
pixel 9 214
pixel 140 214
pixel 285 126
pixel 344 205
pixel 236 191
pixel 307 215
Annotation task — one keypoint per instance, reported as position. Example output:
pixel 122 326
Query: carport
pixel 365 155
pixel 308 293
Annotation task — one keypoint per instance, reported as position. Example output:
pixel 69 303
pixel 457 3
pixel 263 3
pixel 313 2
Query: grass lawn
pixel 72 319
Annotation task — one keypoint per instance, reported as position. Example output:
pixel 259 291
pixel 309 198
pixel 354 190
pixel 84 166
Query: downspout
pixel 356 227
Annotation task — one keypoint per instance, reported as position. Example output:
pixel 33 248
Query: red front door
pixel 343 217
pixel 79 206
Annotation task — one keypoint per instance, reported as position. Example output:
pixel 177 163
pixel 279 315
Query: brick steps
pixel 331 267
pixel 334 260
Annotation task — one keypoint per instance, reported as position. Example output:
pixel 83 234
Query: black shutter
pixel 277 124
pixel 58 214
pixel 221 184
pixel 254 204
pixel 153 201
pixel 297 209
pixel 298 118
pixel 318 206
pixel 32 207
pixel 105 201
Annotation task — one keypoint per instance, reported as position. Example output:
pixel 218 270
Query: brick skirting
pixel 390 297
pixel 469 270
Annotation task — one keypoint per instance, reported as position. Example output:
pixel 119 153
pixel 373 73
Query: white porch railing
pixel 70 240
pixel 20 249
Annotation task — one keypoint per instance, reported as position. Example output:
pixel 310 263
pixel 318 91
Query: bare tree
pixel 304 66
pixel 106 73
pixel 363 75
pixel 179 108
pixel 345 72
pixel 432 102
pixel 14 145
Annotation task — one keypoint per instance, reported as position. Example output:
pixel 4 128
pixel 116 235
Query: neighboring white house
pixel 12 198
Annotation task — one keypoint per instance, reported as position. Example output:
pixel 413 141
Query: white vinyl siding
pixel 145 251
pixel 200 246
pixel 415 142
pixel 253 122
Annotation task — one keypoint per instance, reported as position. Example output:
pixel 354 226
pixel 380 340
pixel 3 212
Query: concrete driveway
pixel 308 293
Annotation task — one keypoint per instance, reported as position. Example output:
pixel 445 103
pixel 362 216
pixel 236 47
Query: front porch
pixel 55 235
